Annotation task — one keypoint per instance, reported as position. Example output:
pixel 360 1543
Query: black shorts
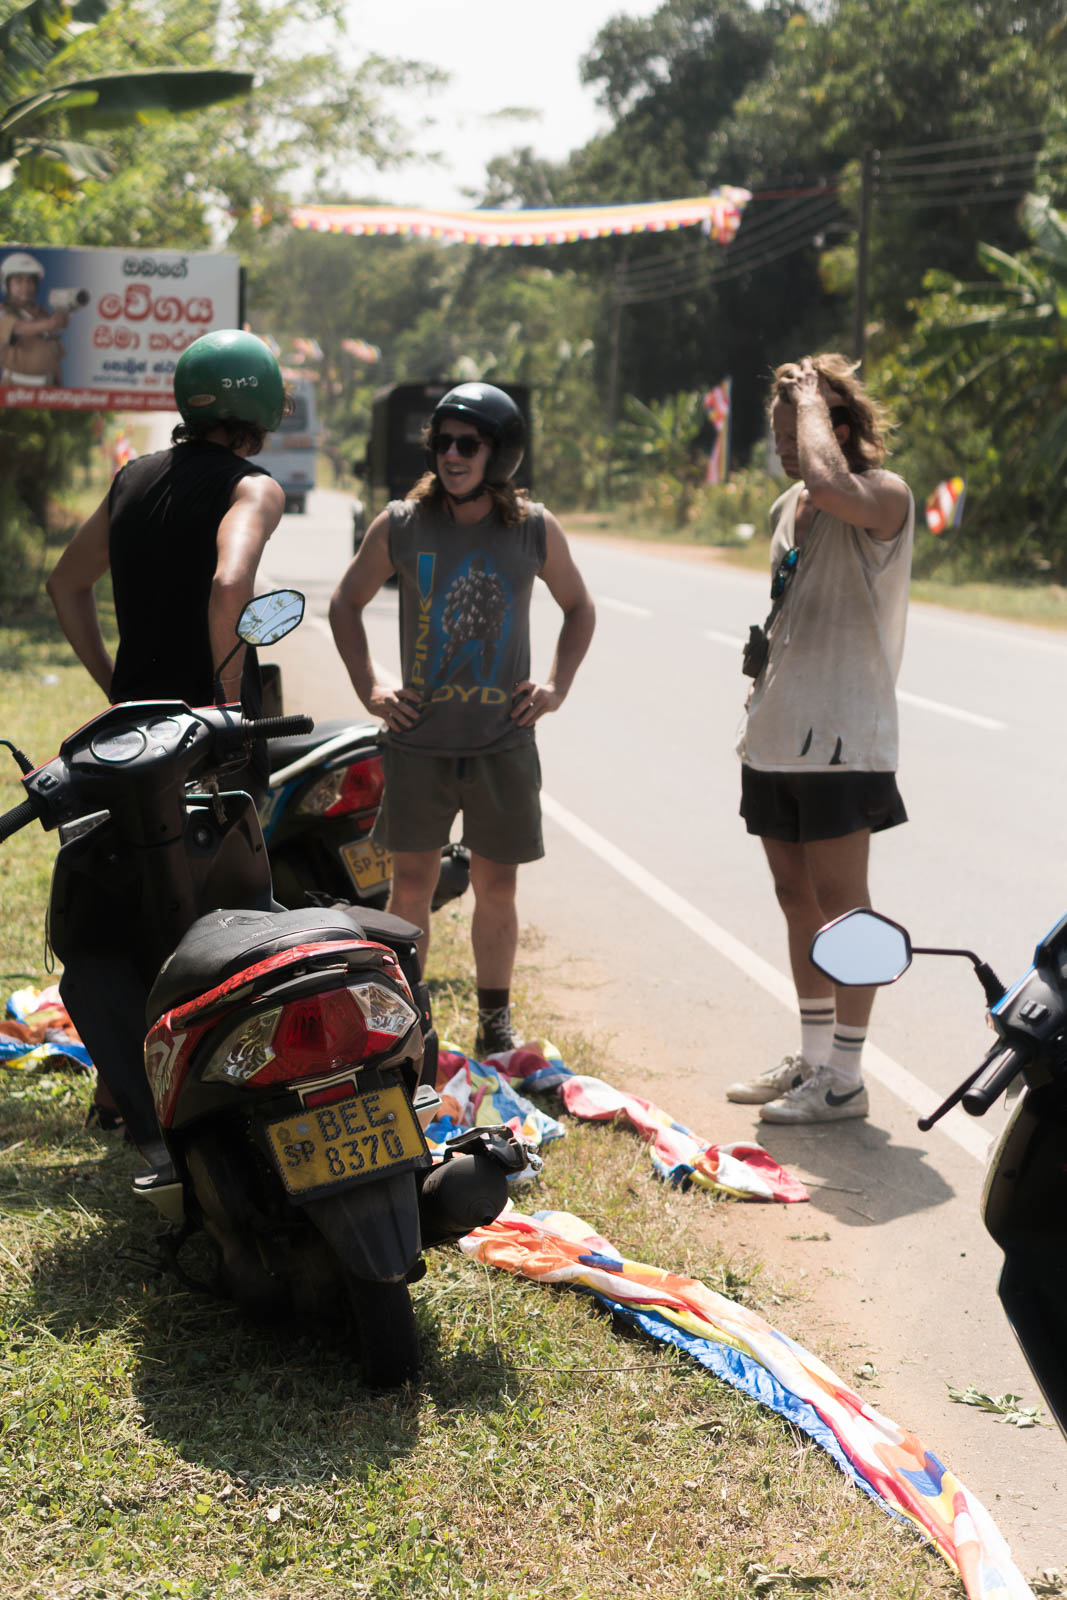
pixel 499 796
pixel 799 807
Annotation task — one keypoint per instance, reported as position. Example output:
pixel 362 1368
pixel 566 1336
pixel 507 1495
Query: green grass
pixel 154 1444
pixel 45 694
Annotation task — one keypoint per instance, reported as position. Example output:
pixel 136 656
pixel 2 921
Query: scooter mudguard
pixel 1025 1210
pixel 372 1228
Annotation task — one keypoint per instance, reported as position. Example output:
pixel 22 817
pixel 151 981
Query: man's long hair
pixel 512 504
pixel 239 435
pixel 869 423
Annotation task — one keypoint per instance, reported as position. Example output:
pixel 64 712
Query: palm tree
pixel 1008 349
pixel 656 447
pixel 32 152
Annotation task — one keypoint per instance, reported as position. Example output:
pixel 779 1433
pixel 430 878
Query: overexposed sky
pixel 501 54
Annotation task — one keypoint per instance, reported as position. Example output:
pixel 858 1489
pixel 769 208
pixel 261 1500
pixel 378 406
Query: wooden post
pixel 863 229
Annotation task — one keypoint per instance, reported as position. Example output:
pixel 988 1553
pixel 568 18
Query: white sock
pixel 844 1060
pixel 816 1028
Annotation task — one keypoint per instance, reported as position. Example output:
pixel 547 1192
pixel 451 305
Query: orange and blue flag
pixel 944 509
pixel 717 406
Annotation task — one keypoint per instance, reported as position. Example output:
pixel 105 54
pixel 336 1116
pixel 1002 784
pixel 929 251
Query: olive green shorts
pixel 499 796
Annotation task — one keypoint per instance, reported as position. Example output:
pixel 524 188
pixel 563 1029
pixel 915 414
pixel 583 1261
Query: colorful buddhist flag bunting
pixel 944 509
pixel 306 350
pixel 361 350
pixel 717 406
pixel 887 1462
pixel 717 213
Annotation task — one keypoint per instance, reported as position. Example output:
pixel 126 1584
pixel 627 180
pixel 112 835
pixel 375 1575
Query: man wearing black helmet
pixel 466 547
pixel 181 532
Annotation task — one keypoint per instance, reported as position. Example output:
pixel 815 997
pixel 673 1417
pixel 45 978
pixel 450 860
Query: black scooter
pixel 325 790
pixel 1024 1202
pixel 289 1054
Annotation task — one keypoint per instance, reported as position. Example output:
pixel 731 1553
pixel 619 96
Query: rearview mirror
pixel 861 948
pixel 269 617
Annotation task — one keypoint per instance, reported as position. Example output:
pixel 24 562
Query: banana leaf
pixel 116 98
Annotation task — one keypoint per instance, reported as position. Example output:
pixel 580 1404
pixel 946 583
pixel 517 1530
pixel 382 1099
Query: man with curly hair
pixel 819 742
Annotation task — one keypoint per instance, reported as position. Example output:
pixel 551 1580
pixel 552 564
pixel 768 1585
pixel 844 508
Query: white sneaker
pixel 790 1072
pixel 817 1100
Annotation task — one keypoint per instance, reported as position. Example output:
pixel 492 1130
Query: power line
pixel 731 266
pixel 974 164
pixel 670 260
pixel 675 275
pixel 949 201
pixel 902 152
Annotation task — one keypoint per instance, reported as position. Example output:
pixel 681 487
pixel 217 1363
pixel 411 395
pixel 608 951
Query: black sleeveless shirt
pixel 165 511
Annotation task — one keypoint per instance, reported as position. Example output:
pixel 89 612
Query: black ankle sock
pixel 490 1000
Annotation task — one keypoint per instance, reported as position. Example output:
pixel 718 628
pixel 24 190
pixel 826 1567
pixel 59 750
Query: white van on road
pixel 289 453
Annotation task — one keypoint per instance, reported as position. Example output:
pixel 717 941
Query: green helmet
pixel 229 376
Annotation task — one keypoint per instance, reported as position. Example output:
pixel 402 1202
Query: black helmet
pixel 494 414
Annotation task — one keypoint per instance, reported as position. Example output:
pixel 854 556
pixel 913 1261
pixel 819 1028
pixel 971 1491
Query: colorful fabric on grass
pixel 475 1095
pixel 36 1027
pixel 888 1464
pixel 743 1169
pixel 718 213
pixel 678 1155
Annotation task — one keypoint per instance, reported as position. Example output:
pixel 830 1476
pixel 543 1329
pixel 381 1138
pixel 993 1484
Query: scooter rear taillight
pixel 358 787
pixel 311 1036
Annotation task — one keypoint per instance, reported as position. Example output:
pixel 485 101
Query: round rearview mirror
pixel 861 948
pixel 269 617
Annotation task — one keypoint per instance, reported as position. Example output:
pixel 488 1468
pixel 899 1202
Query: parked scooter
pixel 286 1050
pixel 325 790
pixel 1024 1202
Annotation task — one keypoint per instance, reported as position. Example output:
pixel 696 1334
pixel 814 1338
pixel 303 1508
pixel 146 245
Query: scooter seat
pixel 223 942
pixel 283 752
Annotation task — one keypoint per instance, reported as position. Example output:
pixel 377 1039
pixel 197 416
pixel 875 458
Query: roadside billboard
pixel 91 330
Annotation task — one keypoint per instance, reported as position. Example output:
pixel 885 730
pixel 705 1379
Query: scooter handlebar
pixel 237 736
pixel 18 817
pixel 276 727
pixel 991 1084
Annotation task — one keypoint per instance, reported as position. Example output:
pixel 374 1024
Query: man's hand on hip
pixel 532 700
pixel 398 708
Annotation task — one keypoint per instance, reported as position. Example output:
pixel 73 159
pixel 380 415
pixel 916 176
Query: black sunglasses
pixel 467 444
pixel 785 570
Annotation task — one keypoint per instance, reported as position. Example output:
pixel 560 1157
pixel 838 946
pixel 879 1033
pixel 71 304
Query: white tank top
pixel 826 700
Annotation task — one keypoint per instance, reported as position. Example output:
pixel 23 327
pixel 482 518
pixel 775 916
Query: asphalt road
pixel 657 931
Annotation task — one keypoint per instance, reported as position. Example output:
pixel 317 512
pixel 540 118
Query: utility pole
pixel 868 170
pixel 616 291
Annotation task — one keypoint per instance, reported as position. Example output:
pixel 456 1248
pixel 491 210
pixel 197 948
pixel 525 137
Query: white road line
pixel 890 1074
pixel 915 1094
pixel 606 602
pixel 975 718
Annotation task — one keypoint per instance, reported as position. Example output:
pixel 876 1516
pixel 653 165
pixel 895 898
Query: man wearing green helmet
pixel 186 525
pixel 181 532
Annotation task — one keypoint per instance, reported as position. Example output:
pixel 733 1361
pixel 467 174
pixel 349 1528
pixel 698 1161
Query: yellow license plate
pixel 370 865
pixel 363 1137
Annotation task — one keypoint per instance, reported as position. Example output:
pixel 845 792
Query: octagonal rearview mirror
pixel 862 948
pixel 269 617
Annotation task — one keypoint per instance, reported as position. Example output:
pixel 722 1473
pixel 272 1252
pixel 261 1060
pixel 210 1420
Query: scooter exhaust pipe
pixel 465 1192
